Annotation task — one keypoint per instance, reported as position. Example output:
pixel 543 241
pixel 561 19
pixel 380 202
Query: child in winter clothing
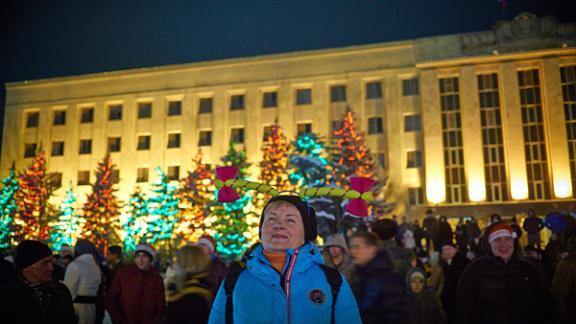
pixel 425 307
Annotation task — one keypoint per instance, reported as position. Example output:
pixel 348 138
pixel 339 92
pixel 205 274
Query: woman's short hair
pixel 276 204
pixel 191 259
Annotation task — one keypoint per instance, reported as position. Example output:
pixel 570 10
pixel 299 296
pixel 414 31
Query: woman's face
pixel 282 228
pixel 416 284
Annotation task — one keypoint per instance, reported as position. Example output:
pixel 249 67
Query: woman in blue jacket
pixel 285 280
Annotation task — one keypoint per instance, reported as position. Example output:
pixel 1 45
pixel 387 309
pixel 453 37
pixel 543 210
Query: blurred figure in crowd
pixel 425 308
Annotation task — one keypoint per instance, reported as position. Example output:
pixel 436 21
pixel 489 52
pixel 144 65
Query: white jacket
pixel 83 276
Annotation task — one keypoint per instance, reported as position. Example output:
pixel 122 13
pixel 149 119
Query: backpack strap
pixel 335 280
pixel 229 284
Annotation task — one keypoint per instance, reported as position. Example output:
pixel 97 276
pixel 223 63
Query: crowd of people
pixel 408 272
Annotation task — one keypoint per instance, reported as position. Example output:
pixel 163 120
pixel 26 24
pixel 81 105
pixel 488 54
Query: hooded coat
pixel 425 307
pixel 564 286
pixel 380 292
pixel 300 294
pixel 491 291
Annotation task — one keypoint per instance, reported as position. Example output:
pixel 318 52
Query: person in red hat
pixel 500 287
pixel 137 292
pixel 218 269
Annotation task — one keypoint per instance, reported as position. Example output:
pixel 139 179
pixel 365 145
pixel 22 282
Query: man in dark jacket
pixel 430 228
pixel 533 225
pixel 137 292
pixel 379 291
pixel 500 287
pixel 32 297
pixel 453 263
pixel 564 285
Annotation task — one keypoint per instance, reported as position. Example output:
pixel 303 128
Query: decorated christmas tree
pixel 163 217
pixel 349 155
pixel 274 164
pixel 308 164
pixel 102 208
pixel 68 226
pixel 8 208
pixel 194 194
pixel 34 211
pixel 234 225
pixel 134 224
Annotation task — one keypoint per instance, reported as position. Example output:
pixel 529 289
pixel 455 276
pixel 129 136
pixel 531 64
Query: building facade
pixel 469 124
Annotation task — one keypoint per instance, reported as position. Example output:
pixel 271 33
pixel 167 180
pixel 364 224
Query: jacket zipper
pixel 288 280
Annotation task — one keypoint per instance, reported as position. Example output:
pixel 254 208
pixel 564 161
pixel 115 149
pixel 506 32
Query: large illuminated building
pixel 469 124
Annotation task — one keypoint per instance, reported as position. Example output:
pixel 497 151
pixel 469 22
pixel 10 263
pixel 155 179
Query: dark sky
pixel 41 39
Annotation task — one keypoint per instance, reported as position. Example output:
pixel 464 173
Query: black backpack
pixel 332 275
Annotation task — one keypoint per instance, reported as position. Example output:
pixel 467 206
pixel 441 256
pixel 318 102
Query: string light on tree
pixel 66 229
pixel 8 208
pixel 135 224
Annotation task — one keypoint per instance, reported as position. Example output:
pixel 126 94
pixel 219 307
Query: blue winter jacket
pixel 261 293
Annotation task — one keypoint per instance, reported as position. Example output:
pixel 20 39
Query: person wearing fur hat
pixel 336 255
pixel 500 287
pixel 424 306
pixel 284 280
pixel 218 268
pixel 137 291
pixel 33 297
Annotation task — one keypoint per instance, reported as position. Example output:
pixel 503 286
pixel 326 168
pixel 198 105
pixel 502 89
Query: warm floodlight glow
pixel 435 190
pixel 477 190
pixel 519 189
pixel 562 188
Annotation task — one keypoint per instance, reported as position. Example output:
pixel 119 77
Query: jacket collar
pixel 308 255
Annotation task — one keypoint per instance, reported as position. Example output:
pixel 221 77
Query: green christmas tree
pixel 68 225
pixel 234 225
pixel 135 224
pixel 194 194
pixel 102 208
pixel 8 208
pixel 163 215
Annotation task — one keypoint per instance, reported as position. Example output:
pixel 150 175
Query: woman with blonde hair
pixel 188 288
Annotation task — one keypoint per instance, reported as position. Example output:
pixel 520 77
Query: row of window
pixel 375 126
pixel 237 102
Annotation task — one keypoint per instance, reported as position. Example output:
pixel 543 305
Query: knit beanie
pixel 146 249
pixel 336 239
pixel 308 216
pixel 29 252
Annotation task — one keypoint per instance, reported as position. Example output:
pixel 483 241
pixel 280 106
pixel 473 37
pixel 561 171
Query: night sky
pixel 42 39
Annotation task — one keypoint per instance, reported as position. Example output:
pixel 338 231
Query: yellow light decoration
pixel 519 189
pixel 477 190
pixel 435 189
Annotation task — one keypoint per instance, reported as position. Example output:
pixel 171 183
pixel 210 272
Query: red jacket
pixel 136 296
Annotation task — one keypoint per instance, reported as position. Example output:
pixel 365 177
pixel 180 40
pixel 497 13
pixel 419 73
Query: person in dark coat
pixel 137 292
pixel 32 296
pixel 516 228
pixel 425 308
pixel 188 289
pixel 533 225
pixel 473 234
pixel 453 264
pixel 418 236
pixel 379 291
pixel 114 261
pixel 564 285
pixel 460 234
pixel 430 228
pixel 444 233
pixel 500 287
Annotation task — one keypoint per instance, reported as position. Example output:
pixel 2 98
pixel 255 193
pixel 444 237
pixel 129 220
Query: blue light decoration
pixel 65 230
pixel 308 164
pixel 8 208
pixel 163 214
